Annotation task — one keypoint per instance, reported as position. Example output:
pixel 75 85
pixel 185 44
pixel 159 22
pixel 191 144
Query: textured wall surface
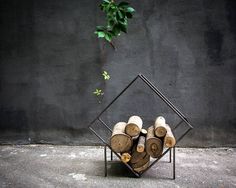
pixel 50 62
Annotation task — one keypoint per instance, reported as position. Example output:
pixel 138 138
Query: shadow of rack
pixel 172 156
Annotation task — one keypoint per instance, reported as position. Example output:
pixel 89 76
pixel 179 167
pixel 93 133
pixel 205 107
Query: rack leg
pixel 105 160
pixel 173 162
pixel 111 155
pixel 170 156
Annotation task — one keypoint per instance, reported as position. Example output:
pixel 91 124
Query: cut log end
pixel 160 131
pixel 140 149
pixel 160 126
pixel 121 143
pixel 125 157
pixel 169 140
pixel 132 130
pixel 154 147
pixel 134 126
pixel 143 132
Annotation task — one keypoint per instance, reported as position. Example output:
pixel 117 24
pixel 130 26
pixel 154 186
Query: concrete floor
pixel 32 166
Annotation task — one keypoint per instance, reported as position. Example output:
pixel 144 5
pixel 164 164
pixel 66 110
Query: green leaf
pixel 124 22
pixel 116 17
pixel 130 9
pixel 104 5
pixel 108 37
pixel 116 30
pixel 101 34
pixel 120 14
pixel 98 92
pixel 112 8
pixel 107 8
pixel 122 27
pixel 106 1
pixel 111 22
pixel 105 75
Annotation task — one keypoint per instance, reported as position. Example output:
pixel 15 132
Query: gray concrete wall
pixel 51 62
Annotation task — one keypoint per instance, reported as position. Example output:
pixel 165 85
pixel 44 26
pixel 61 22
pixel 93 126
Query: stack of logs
pixel 136 145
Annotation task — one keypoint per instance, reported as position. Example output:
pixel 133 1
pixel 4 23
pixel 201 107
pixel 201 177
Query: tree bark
pixel 154 145
pixel 169 140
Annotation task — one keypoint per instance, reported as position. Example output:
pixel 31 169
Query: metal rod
pixel 162 96
pixel 105 160
pixel 180 138
pixel 173 162
pixel 98 135
pixel 135 173
pixel 105 124
pixel 129 167
pixel 176 126
pixel 111 155
pixel 164 99
pixel 114 99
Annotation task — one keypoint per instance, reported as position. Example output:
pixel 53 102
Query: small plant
pixel 117 16
pixel 98 92
pixel 105 75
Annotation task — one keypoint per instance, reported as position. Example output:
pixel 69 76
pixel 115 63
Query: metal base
pixel 167 102
pixel 170 160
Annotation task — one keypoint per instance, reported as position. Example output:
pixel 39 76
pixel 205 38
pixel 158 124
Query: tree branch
pixel 113 46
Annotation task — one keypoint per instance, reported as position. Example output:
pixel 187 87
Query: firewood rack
pixel 172 156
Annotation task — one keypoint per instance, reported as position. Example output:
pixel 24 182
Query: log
pixel 134 126
pixel 141 162
pixel 142 168
pixel 169 140
pixel 141 144
pixel 160 126
pixel 143 132
pixel 153 145
pixel 136 156
pixel 125 157
pixel 120 142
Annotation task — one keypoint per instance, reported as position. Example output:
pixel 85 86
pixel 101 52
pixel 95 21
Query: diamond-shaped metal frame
pixel 167 102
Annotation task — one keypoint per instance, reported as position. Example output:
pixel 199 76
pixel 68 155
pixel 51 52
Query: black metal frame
pixel 167 102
